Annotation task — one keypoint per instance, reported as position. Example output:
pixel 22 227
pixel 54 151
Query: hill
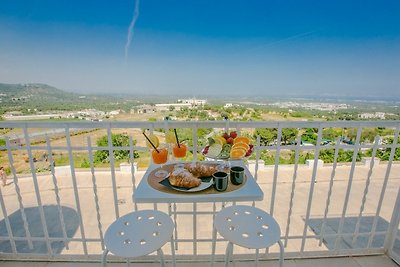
pixel 33 97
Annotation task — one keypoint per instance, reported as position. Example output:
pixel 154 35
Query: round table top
pixel 138 233
pixel 247 226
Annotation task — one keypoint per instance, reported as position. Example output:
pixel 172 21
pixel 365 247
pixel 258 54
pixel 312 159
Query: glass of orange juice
pixel 160 157
pixel 179 151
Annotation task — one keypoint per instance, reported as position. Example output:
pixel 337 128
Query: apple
pixel 233 134
pixel 248 153
pixel 226 136
pixel 229 140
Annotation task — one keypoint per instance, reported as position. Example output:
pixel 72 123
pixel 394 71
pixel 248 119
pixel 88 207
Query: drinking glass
pixel 160 158
pixel 179 151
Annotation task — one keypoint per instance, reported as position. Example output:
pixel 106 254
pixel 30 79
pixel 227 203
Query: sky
pixel 208 47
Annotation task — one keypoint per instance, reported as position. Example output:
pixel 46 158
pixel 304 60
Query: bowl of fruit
pixel 228 147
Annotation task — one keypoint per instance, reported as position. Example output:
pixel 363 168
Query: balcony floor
pixel 364 261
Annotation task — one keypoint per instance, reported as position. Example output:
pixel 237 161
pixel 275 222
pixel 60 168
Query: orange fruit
pixel 237 153
pixel 241 139
pixel 241 144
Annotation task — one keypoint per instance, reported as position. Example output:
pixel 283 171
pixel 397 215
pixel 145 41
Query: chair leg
pixel 228 253
pixel 161 254
pixel 173 252
pixel 104 258
pixel 257 256
pixel 281 251
pixel 214 240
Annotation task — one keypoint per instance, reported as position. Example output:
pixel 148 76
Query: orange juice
pixel 179 152
pixel 159 157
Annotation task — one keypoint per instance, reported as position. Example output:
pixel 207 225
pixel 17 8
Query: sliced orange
pixel 237 153
pixel 241 144
pixel 154 139
pixel 241 139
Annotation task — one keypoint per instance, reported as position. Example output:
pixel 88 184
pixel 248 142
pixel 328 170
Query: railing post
pixel 391 233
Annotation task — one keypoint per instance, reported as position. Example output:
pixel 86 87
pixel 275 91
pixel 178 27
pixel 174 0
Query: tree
pixel 267 136
pixel 327 155
pixel 289 134
pixel 331 133
pixel 368 135
pixel 118 140
pixel 310 135
pixel 347 155
pixel 351 134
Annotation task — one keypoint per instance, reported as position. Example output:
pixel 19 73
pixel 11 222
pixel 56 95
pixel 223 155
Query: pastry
pixel 183 178
pixel 200 170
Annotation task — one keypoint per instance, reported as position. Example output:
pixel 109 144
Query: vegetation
pixel 118 140
pixel 40 98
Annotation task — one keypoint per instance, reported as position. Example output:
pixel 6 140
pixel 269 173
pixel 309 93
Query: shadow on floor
pixel 54 228
pixel 349 226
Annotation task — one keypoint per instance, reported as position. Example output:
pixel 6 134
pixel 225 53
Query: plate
pixel 201 187
pixel 218 158
pixel 204 185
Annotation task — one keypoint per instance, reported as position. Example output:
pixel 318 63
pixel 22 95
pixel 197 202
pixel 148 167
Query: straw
pixel 177 140
pixel 151 142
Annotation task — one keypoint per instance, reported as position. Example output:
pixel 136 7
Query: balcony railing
pixel 323 210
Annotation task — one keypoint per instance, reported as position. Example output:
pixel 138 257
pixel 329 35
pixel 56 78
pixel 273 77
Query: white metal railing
pixel 322 212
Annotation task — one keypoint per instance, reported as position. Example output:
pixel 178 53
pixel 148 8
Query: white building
pixel 228 105
pixel 376 115
pixel 193 101
pixel 165 107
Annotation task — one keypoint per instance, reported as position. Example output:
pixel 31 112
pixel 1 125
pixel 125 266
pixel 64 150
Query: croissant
pixel 183 178
pixel 200 170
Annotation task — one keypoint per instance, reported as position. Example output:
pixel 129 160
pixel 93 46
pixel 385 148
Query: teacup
pixel 220 181
pixel 237 175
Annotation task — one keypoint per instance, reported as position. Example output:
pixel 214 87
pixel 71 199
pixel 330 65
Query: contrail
pixel 131 29
pixel 293 37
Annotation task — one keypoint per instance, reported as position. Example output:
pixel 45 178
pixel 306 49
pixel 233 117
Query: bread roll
pixel 201 170
pixel 183 178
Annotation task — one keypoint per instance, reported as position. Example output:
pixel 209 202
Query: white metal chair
pixel 248 227
pixel 138 234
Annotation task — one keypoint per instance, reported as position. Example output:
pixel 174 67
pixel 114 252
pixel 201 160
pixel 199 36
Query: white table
pixel 250 191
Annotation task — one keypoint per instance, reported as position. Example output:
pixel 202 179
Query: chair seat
pixel 247 226
pixel 138 233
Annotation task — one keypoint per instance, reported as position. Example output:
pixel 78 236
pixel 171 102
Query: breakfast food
pixel 200 170
pixel 228 146
pixel 154 139
pixel 183 178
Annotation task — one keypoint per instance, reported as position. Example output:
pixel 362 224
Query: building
pixel 376 115
pixel 228 105
pixel 144 109
pixel 166 107
pixel 193 101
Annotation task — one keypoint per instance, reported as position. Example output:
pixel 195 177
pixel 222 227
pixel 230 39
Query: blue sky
pixel 343 48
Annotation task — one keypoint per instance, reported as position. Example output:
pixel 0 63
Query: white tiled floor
pixel 367 261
